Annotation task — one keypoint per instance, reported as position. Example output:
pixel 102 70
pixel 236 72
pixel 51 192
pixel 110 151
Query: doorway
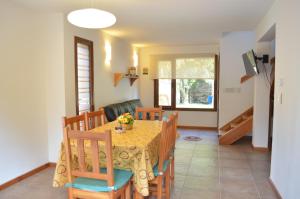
pixel 271 110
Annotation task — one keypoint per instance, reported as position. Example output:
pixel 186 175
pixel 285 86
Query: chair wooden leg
pixel 137 195
pixel 160 187
pixel 70 194
pixel 111 195
pixel 122 196
pixel 128 191
pixel 172 166
pixel 167 185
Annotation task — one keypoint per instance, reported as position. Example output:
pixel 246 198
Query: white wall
pixel 28 48
pixel 286 138
pixel 37 84
pixel 122 58
pixel 268 21
pixel 186 118
pixel 104 91
pixel 262 97
pixel 235 97
pixel 55 85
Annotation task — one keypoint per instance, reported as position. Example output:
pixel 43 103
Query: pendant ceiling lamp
pixel 91 18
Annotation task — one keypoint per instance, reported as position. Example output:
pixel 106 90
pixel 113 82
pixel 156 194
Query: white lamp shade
pixel 91 18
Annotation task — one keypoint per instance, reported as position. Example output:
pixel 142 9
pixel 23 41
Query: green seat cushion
pixel 165 118
pixel 121 177
pixel 165 166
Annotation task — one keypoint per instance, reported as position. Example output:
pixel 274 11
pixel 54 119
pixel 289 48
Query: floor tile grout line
pixel 219 165
pixel 253 180
pixel 186 173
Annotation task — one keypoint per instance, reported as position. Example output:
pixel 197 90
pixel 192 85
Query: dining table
pixel 135 150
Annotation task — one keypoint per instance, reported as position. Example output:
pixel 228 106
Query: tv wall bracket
pixel 264 59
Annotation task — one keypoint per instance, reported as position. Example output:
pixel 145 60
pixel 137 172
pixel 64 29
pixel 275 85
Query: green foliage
pixel 193 90
pixel 195 68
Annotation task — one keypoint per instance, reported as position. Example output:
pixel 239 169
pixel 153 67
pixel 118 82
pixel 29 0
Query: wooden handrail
pixel 245 78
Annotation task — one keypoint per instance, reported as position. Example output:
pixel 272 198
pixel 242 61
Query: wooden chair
pixel 95 119
pixel 172 156
pixel 97 183
pixel 75 122
pixel 148 113
pixel 160 186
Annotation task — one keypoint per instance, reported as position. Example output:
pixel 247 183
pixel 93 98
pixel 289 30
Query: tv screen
pixel 250 63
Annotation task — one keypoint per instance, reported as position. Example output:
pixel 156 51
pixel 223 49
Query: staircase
pixel 237 128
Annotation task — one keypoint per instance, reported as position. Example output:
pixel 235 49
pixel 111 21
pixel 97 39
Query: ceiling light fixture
pixel 91 18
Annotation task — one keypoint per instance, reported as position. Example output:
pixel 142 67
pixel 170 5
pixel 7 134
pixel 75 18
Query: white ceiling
pixel 155 22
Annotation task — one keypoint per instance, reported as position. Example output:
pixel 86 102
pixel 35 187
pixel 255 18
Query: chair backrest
pixel 175 122
pixel 95 119
pixel 148 113
pixel 94 138
pixel 166 142
pixel 75 123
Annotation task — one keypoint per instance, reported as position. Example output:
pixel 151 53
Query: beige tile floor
pixel 204 170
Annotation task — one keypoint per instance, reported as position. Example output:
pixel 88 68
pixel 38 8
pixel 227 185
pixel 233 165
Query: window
pixel 165 83
pixel 84 76
pixel 185 82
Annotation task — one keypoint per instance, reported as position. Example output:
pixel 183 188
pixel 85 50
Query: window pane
pixel 83 78
pixel 195 93
pixel 164 92
pixel 195 68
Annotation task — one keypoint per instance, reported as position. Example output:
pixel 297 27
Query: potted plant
pixel 126 121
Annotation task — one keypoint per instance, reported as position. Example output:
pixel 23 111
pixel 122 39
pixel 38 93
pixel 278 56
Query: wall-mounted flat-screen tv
pixel 250 63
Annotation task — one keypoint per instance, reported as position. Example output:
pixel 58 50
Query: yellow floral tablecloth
pixel 136 150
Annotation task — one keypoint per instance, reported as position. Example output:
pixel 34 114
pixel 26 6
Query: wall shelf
pixel 119 76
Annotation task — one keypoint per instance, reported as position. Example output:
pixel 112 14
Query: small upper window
pixel 84 75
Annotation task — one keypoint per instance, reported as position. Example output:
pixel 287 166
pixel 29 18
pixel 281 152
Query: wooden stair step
pixel 242 116
pixel 222 132
pixel 245 117
pixel 236 128
pixel 233 125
